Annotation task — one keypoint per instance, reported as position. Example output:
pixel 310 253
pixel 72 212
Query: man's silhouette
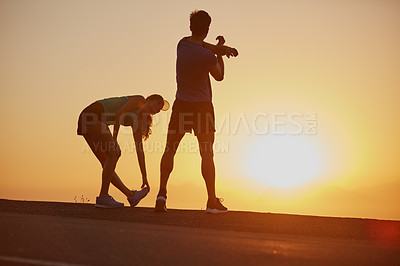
pixel 193 108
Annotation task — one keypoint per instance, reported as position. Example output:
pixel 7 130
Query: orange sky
pixel 338 60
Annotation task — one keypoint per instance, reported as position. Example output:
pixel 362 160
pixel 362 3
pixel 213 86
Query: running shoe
pixel 138 196
pixel 108 203
pixel 160 204
pixel 216 207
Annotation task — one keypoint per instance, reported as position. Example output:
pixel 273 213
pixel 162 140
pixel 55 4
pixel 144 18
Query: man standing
pixel 193 108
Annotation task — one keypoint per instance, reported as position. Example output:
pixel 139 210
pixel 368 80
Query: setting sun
pixel 284 161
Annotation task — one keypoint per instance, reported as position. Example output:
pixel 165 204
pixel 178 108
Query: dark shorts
pixel 188 116
pixel 90 115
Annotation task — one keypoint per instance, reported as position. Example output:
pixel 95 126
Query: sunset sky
pixel 308 116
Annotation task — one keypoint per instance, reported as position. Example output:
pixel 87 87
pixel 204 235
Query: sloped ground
pixel 74 233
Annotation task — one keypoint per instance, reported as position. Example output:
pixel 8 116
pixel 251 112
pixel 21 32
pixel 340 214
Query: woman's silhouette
pixel 133 111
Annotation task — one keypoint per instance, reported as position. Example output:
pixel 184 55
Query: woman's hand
pixel 145 182
pixel 117 149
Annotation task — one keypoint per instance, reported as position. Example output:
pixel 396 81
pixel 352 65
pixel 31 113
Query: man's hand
pixel 221 40
pixel 221 49
pixel 226 50
pixel 229 51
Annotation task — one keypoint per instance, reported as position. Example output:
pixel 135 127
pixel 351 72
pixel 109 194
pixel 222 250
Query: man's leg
pixel 167 161
pixel 206 142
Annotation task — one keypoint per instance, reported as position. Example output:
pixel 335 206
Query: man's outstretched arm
pixel 221 49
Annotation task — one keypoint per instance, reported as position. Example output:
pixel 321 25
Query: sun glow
pixel 284 161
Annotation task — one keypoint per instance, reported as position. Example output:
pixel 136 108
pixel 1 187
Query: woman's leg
pixel 108 171
pixel 117 182
pixel 102 157
pixel 104 148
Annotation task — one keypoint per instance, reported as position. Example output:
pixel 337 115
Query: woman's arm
pixel 132 104
pixel 137 135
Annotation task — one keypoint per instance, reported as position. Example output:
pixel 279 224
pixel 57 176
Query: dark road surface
pixel 46 233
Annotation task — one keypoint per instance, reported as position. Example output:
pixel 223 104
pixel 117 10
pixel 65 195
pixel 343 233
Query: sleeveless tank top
pixel 112 105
